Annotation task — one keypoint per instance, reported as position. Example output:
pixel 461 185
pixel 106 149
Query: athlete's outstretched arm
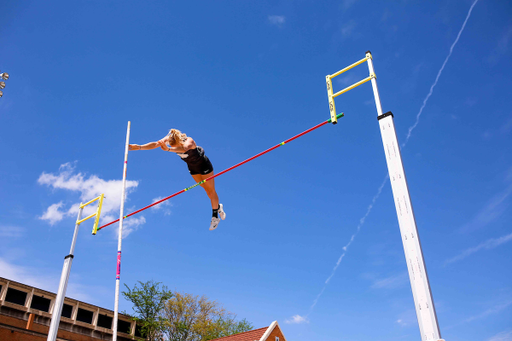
pixel 147 146
pixel 189 143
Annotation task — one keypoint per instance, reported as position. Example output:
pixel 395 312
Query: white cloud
pixel 503 336
pixel 487 245
pixel 88 188
pixel 11 231
pixel 53 214
pixel 297 319
pixel 347 80
pixel 491 211
pixel 131 224
pixel 277 20
pixel 163 206
pixel 494 310
pixel 505 303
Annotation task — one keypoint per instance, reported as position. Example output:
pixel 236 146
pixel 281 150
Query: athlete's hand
pixel 163 145
pixel 134 147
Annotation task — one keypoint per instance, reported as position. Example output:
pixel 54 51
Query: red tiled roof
pixel 252 335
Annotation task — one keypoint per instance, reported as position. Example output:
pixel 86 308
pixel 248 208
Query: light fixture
pixel 4 76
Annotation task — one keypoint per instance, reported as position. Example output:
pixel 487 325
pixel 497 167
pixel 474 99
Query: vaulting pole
pixel 218 174
pixel 120 237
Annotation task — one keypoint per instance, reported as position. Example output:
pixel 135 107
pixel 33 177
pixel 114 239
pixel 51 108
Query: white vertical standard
pixel 120 237
pixel 425 310
pixel 64 278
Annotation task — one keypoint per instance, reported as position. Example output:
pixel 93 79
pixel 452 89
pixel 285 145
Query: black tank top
pixel 192 156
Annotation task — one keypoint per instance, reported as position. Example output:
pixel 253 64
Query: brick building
pixel 270 333
pixel 26 311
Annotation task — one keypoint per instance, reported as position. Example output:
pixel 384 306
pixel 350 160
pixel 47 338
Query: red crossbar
pixel 224 171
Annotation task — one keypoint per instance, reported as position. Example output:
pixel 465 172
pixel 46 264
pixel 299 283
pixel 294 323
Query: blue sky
pixel 311 237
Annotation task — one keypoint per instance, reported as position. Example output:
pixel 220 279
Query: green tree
pixel 227 325
pixel 194 318
pixel 148 301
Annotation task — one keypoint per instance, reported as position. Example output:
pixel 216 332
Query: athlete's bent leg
pixel 209 187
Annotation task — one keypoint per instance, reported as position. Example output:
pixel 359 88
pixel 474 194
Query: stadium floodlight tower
pixel 4 76
pixel 423 301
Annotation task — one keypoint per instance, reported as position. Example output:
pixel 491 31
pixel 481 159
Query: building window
pixel 138 330
pixel 104 321
pixel 123 326
pixel 67 310
pixel 16 296
pixel 40 303
pixel 84 315
pixel 277 338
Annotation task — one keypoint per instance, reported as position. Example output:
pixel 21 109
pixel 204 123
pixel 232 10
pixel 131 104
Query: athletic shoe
pixel 222 214
pixel 215 222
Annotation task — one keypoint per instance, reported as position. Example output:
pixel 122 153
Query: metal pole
pixel 64 278
pixel 120 237
pixel 425 310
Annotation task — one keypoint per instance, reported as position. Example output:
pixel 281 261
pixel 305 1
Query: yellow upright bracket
pixel 97 220
pixel 331 96
pixel 332 107
pixel 97 214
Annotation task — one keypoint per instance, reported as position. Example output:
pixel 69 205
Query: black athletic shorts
pixel 202 166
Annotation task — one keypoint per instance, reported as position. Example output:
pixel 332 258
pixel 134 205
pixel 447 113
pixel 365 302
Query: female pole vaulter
pixel 198 164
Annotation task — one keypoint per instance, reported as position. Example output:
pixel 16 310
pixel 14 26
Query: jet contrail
pixel 345 248
pixel 438 75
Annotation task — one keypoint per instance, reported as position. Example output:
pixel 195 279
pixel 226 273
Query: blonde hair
pixel 176 137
